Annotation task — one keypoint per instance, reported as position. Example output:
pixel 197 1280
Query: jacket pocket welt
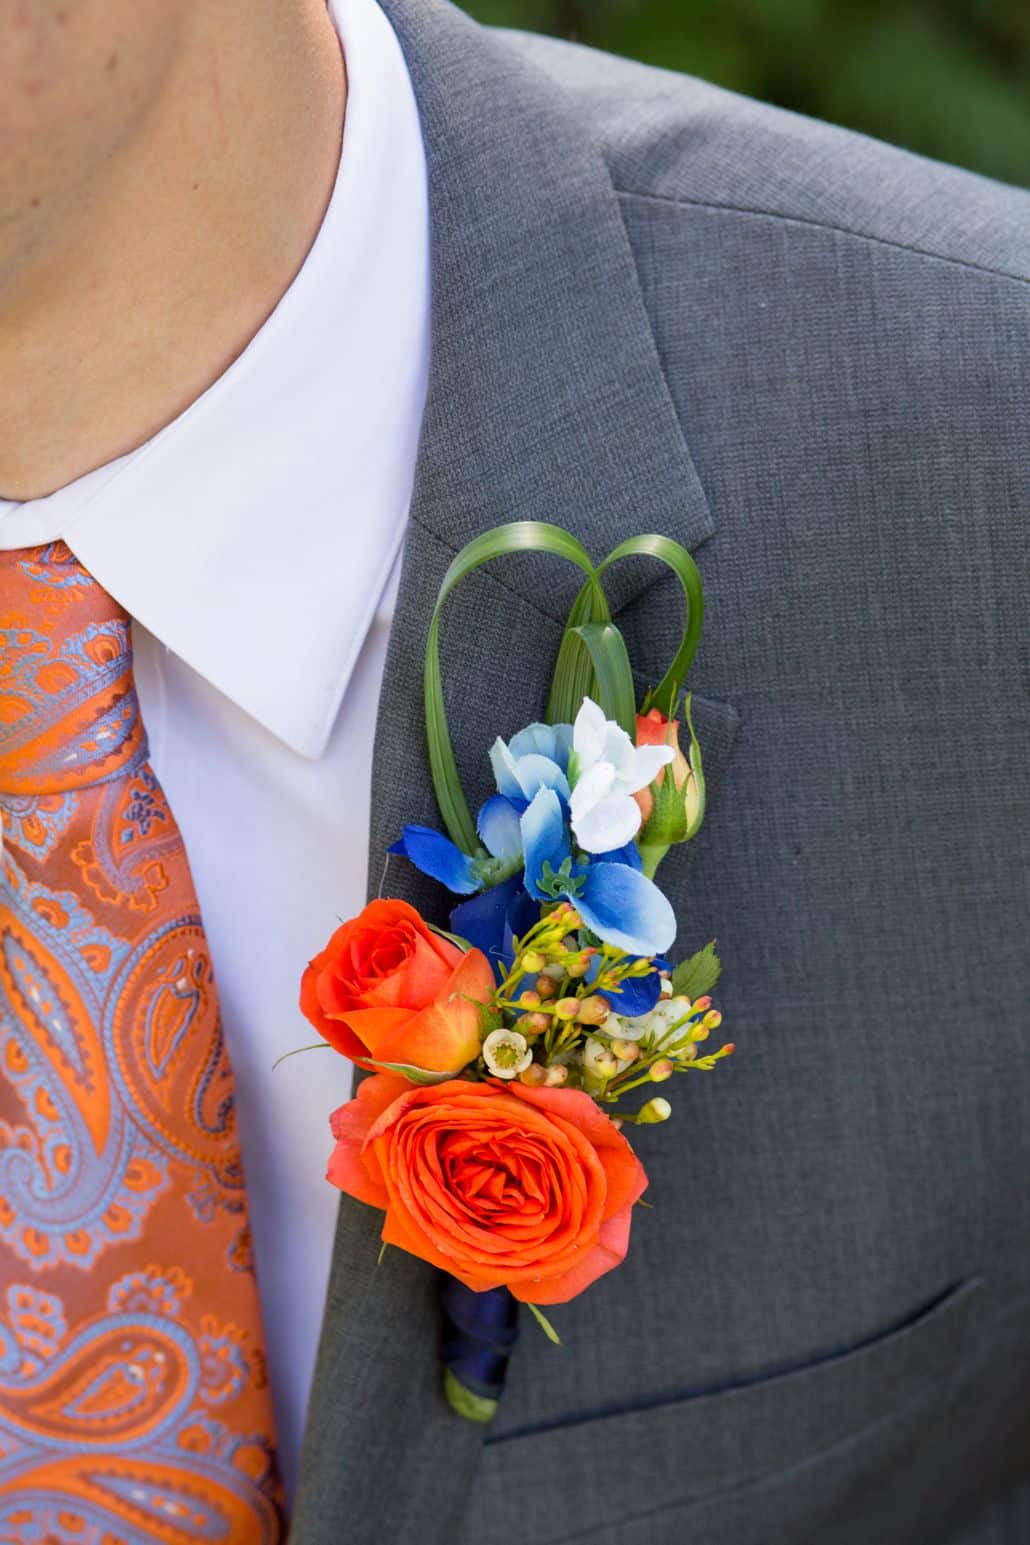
pixel 595 1473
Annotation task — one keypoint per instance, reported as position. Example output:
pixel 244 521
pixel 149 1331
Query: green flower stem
pixel 474 1408
pixel 651 855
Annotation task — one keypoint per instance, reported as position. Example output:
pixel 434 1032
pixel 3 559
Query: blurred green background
pixel 949 78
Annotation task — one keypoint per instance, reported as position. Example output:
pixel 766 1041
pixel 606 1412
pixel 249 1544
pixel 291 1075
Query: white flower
pixel 506 1053
pixel 654 1029
pixel 606 769
pixel 598 1059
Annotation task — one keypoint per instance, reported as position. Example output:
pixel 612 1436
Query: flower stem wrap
pixel 480 1332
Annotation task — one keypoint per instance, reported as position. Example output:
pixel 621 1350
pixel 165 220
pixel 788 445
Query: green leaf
pixel 518 536
pixel 574 678
pixel 545 1324
pixel 452 938
pixel 697 976
pixel 474 1408
pixel 612 671
pixel 676 558
pixel 412 1074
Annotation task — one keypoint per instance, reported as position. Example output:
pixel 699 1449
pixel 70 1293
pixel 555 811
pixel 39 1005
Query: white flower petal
pixel 647 763
pixel 591 788
pixel 608 824
pixel 589 734
pixel 506 1053
pixel 618 748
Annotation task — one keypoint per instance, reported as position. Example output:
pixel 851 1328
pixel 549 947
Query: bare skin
pixel 164 168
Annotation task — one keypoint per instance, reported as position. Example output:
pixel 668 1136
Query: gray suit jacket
pixel 803 354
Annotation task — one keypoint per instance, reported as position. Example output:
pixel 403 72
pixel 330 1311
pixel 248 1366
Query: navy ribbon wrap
pixel 480 1332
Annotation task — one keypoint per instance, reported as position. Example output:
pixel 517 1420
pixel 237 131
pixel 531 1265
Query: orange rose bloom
pixel 388 989
pixel 515 1186
pixel 654 729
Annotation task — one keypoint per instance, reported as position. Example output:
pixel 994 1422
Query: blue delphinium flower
pixel 528 826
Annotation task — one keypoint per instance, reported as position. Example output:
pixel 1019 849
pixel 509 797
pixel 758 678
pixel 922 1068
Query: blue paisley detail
pixel 53 1174
pixel 35 823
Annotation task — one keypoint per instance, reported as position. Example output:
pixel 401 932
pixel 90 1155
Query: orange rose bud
pixel 497 1145
pixel 654 729
pixel 387 989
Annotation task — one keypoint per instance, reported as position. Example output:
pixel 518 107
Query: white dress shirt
pixel 253 542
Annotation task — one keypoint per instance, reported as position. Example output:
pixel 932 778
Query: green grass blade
pixel 675 557
pixel 605 647
pixel 518 536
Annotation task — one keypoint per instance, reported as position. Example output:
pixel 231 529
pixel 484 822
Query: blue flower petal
pixel 545 839
pixel 562 744
pixel 498 828
pixel 437 855
pixel 483 919
pixel 503 764
pixel 627 909
pixel 635 996
pixel 550 740
pixel 523 912
pixel 638 995
pixel 535 772
pixel 630 855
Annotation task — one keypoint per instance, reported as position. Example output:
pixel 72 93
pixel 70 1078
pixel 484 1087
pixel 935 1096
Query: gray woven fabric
pixel 660 307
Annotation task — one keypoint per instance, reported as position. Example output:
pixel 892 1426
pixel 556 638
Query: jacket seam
pixel 681 201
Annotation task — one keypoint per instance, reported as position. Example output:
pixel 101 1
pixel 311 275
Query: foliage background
pixel 949 78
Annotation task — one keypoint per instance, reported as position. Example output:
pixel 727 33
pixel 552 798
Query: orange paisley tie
pixel 134 1405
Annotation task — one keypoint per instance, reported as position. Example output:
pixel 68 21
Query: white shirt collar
pixel 255 533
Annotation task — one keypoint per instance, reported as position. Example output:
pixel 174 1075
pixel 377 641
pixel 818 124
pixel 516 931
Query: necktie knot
pixel 68 711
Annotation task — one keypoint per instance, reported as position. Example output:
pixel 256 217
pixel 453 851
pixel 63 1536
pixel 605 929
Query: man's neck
pixel 120 309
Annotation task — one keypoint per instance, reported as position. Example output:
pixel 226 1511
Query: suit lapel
pixel 546 401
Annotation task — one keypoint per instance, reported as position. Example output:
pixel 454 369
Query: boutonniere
pixel 512 1056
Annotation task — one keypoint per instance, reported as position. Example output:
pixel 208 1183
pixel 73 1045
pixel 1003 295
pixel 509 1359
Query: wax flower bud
pixel 593 1010
pixel 506 1053
pixel 626 1051
pixel 662 1070
pixel 534 1075
pixel 532 1024
pixel 556 1076
pixel 712 1020
pixel 567 1008
pixel 532 961
pixel 654 1111
pixel 545 987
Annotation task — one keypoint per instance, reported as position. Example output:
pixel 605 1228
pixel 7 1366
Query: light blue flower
pixel 536 758
pixel 526 825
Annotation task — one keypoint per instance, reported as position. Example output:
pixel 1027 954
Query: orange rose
pixel 388 989
pixel 516 1186
pixel 654 729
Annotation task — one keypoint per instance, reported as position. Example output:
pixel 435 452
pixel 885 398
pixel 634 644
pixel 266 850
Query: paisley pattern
pixel 134 1405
